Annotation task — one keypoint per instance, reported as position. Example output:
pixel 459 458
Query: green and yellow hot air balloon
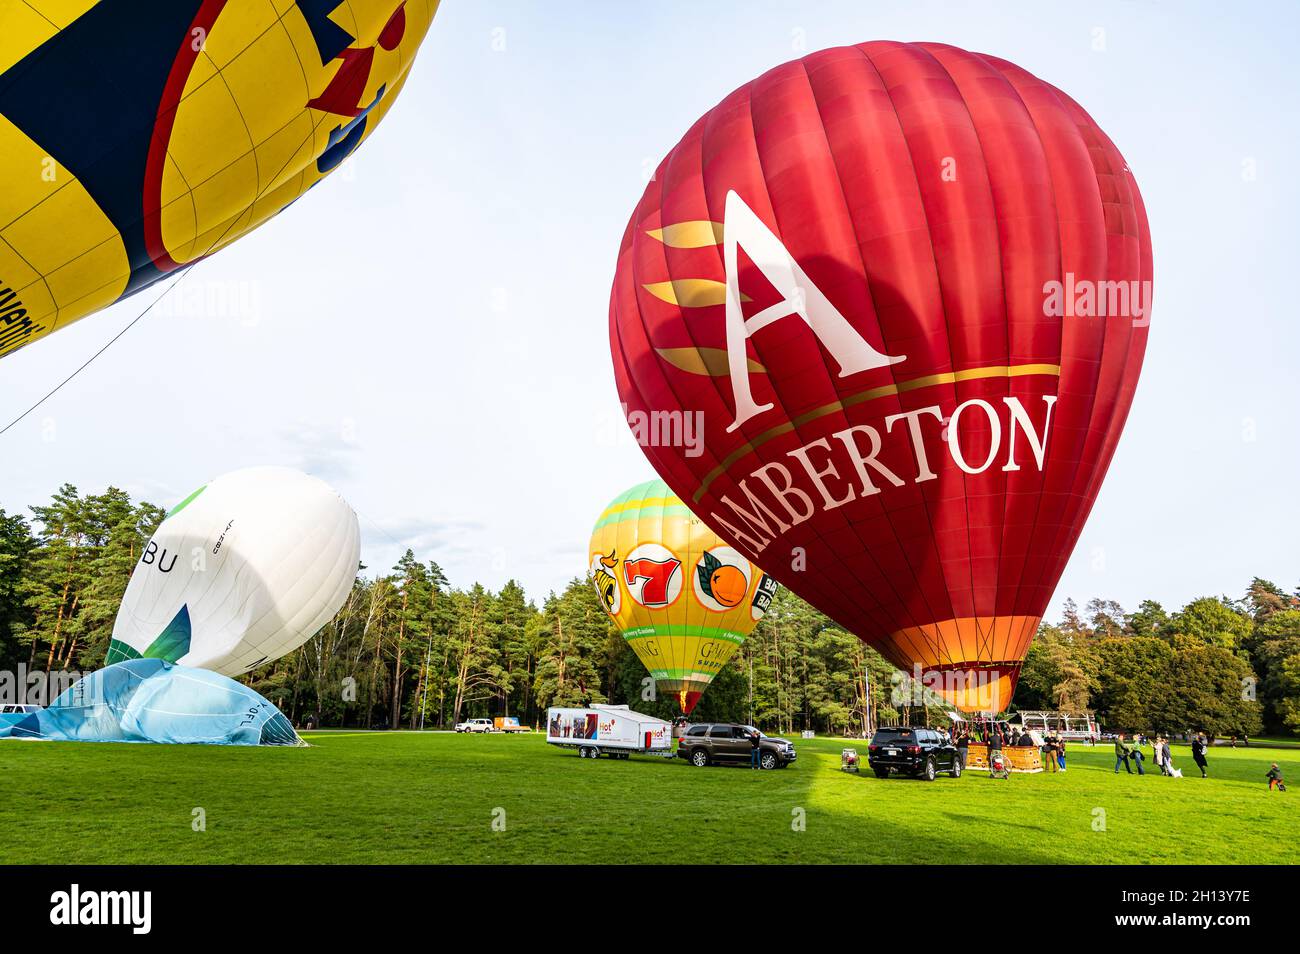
pixel 683 599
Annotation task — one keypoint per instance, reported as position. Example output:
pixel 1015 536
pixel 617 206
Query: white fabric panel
pixel 262 558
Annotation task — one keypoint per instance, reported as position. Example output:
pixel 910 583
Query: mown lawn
pixel 406 797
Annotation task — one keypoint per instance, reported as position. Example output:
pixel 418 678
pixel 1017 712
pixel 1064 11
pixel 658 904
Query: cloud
pixel 424 536
pixel 321 452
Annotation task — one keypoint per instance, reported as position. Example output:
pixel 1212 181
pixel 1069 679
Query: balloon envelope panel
pixel 149 700
pixel 683 599
pixel 139 135
pixel 245 569
pixel 907 289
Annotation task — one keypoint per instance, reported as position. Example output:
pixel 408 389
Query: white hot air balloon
pixel 245 569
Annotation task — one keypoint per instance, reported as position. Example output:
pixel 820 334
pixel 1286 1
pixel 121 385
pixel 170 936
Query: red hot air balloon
pixel 903 292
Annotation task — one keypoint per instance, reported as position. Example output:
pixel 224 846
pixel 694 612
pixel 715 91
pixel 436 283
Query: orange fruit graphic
pixel 728 585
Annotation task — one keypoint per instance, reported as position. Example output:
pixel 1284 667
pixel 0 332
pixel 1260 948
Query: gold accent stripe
pixel 707 361
pixel 871 394
pixel 697 233
pixel 691 292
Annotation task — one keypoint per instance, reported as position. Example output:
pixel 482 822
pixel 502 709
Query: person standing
pixel 1049 754
pixel 755 739
pixel 995 746
pixel 963 746
pixel 1167 758
pixel 1060 752
pixel 1198 753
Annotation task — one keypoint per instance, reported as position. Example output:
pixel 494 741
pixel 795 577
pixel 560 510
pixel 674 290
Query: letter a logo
pixel 742 228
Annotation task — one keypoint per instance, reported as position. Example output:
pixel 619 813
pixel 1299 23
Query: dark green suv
pixel 721 743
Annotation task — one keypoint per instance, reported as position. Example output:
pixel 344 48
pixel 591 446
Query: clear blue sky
pixel 427 328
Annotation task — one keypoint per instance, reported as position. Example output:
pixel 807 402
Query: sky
pixel 427 329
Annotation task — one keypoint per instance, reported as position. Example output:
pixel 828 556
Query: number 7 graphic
pixel 654 577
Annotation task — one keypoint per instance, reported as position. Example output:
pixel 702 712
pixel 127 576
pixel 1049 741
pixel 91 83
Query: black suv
pixel 726 742
pixel 919 752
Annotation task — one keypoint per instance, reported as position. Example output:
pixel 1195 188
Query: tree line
pixel 409 649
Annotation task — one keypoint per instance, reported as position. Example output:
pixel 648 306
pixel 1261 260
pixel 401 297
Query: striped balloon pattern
pixel 681 596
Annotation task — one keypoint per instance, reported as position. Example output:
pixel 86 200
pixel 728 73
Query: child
pixel 1274 777
pixel 1060 753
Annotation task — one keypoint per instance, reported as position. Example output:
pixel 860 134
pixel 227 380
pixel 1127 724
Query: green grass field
pixel 408 797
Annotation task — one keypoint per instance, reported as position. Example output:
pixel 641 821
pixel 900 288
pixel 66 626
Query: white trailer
pixel 616 731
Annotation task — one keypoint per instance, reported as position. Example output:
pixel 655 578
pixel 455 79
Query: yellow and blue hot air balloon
pixel 138 136
pixel 683 599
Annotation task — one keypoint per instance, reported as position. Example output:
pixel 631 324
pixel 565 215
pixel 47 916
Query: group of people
pixel 1130 753
pixel 1053 749
pixel 1000 735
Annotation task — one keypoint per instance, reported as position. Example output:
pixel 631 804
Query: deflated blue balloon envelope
pixel 149 700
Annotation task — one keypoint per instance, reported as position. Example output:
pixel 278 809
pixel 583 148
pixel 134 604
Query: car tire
pixel 767 761
pixel 881 772
pixel 928 770
pixel 956 768
pixel 699 758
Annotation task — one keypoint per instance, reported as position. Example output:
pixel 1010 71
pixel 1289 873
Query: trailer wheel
pixel 699 758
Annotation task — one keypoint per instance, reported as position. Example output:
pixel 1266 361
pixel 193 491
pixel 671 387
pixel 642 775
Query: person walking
pixel 755 739
pixel 1198 753
pixel 1121 754
pixel 1167 757
pixel 1126 752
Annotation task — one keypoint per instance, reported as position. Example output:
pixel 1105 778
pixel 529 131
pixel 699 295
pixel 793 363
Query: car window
pixel 698 730
pixel 887 736
pixel 720 732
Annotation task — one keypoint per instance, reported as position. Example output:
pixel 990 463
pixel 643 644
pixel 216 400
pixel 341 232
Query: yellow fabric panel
pixel 58 248
pixel 243 144
pixel 58 12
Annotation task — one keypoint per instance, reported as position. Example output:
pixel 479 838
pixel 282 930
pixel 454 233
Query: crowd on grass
pixel 1129 753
